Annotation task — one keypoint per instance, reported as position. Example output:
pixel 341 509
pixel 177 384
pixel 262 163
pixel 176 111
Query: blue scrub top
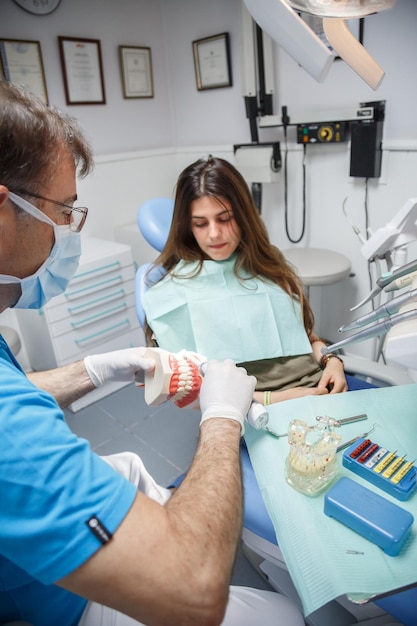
pixel 51 484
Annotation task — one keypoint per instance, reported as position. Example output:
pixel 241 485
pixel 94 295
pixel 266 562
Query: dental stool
pixel 259 541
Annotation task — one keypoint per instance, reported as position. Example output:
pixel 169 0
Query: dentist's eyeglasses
pixel 75 216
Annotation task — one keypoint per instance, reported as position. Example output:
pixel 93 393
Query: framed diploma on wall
pixel 212 62
pixel 136 68
pixel 21 64
pixel 82 70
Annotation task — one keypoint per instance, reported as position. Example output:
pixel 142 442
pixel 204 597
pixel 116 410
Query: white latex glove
pixel 226 392
pixel 120 366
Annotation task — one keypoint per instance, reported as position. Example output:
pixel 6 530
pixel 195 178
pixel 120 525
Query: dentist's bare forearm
pixel 183 551
pixel 67 383
pixel 218 459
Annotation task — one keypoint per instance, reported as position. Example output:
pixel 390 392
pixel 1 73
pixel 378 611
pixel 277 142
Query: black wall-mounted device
pixel 366 143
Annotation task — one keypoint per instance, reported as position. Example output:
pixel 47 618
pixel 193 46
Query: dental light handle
pixel 257 416
pixel 385 310
pixel 378 329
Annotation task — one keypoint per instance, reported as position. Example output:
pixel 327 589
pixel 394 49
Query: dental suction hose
pixel 257 415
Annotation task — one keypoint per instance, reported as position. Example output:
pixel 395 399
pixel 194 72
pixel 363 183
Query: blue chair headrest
pixel 154 221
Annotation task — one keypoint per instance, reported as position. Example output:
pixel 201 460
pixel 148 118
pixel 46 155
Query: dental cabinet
pixel 95 314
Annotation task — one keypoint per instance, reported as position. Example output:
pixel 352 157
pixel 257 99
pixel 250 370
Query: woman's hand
pixel 333 377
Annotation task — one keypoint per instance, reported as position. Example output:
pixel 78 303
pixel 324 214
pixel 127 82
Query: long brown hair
pixel 217 178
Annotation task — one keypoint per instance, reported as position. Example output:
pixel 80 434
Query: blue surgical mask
pixel 53 276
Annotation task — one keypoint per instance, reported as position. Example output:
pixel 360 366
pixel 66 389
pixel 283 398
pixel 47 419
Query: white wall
pixel 120 125
pixel 142 145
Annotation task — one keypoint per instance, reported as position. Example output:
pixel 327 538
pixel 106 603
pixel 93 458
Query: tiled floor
pixel 165 437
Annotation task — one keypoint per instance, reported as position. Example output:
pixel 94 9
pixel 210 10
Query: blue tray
pixel 402 491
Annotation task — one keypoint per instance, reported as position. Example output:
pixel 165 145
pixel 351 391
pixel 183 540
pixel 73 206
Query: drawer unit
pixel 95 314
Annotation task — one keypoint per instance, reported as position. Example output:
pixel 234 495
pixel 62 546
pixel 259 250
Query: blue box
pixel 402 491
pixel 369 514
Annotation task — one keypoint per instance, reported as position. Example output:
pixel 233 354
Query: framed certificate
pixel 212 62
pixel 82 70
pixel 21 63
pixel 136 69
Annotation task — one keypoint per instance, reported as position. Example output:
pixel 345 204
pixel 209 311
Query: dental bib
pixel 221 316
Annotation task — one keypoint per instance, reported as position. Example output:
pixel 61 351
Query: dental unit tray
pixel 387 470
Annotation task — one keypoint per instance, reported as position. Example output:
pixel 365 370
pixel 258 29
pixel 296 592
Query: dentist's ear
pixel 4 195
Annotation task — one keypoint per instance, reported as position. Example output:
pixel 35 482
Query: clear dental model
pixel 311 463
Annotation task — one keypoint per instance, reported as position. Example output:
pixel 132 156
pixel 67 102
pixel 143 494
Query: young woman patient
pixel 229 293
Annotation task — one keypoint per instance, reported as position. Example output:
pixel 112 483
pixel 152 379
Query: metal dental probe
pixel 274 434
pixel 337 422
pixel 349 443
pixel 340 422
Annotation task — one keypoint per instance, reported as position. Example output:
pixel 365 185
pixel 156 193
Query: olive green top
pixel 284 372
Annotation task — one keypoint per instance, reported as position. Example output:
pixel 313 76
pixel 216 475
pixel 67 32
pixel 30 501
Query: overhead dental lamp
pixel 279 18
pixel 341 8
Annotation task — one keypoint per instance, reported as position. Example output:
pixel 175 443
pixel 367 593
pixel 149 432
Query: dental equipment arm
pixel 376 330
pixel 397 233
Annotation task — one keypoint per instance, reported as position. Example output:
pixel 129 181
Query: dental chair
pixel 259 542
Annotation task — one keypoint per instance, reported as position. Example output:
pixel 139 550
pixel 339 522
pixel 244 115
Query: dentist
pixel 88 540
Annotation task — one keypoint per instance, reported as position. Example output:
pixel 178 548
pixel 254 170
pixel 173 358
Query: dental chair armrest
pixel 387 374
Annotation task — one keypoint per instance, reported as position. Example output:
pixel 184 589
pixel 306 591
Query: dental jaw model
pixel 178 377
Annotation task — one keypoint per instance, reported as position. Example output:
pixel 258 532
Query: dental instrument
pixel 331 421
pixel 343 446
pixel 375 331
pixel 385 310
pixel 274 434
pixel 390 281
pixel 328 420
